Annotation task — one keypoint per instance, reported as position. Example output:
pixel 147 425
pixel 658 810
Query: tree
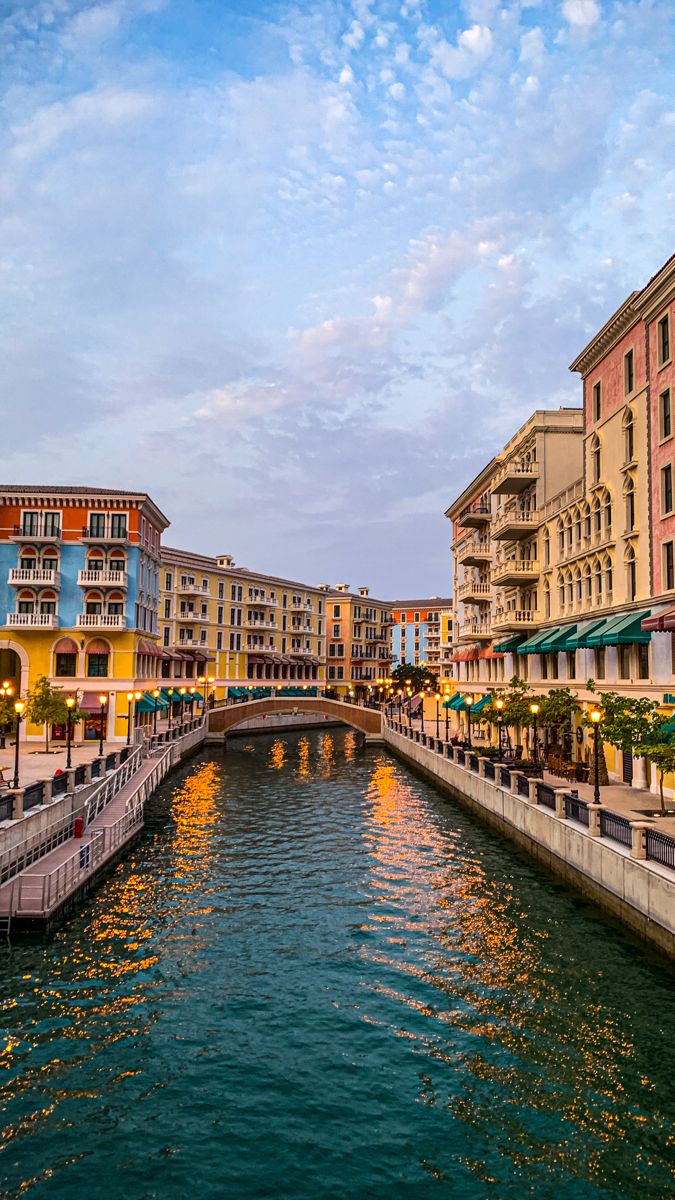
pixel 416 678
pixel 629 723
pixel 46 705
pixel 7 718
pixel 662 755
pixel 556 711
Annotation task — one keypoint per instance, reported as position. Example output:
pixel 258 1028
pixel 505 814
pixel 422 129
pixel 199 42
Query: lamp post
pixel 137 696
pixel 155 696
pixel 447 715
pixel 422 709
pixel 103 700
pixel 438 714
pixel 468 700
pixel 181 693
pixel 596 718
pixel 18 709
pixel 499 704
pixel 534 709
pixel 70 704
pixel 169 692
pixel 130 699
pixel 5 692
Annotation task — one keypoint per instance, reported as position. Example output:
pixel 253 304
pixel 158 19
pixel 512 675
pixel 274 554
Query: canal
pixel 315 977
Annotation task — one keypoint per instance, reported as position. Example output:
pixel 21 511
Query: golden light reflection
pixel 304 767
pixel 277 756
pixel 349 746
pixel 327 755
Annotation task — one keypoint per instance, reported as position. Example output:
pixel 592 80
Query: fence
pixel 16 858
pixel 33 796
pixel 98 799
pixel 576 809
pixel 37 893
pixel 616 827
pixel 545 796
pixel 660 848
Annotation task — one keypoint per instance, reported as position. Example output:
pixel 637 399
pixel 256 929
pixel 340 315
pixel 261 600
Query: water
pixel 315 977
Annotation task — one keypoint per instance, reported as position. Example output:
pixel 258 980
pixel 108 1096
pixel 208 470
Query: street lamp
pixel 534 709
pixel 137 696
pixel 5 692
pixel 468 700
pixel 438 713
pixel 181 693
pixel 169 692
pixel 18 709
pixel 499 704
pixel 155 695
pixel 103 700
pixel 130 699
pixel 596 718
pixel 422 709
pixel 447 713
pixel 70 703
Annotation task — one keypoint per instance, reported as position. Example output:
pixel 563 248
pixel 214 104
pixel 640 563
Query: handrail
pixel 97 801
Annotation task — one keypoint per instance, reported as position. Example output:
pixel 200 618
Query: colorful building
pixel 79 596
pixel 358 637
pixel 421 634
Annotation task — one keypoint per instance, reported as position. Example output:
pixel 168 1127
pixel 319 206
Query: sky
pixel 298 271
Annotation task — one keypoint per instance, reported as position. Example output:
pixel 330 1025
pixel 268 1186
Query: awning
pixel 490 652
pixel 663 622
pixel 481 704
pixel 532 645
pixel 556 638
pixel 626 630
pixel 510 644
pixel 451 701
pixel 150 648
pixel 90 702
pixel 466 655
pixel 581 639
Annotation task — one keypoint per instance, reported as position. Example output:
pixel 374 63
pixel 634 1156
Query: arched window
pixel 577 526
pixel 609 581
pixel 597 519
pixel 561 538
pixel 28 559
pixel 631 574
pixel 25 602
pixel 561 592
pixel 596 464
pixel 93 603
pixel 587 522
pixel 50 560
pixel 547 600
pixel 589 583
pixel 629 435
pixel 48 602
pixel 598 580
pixel 547 549
pixel 570 589
pixel 98 658
pixel 568 531
pixel 577 586
pixel 629 494
pixel 608 515
pixel 65 658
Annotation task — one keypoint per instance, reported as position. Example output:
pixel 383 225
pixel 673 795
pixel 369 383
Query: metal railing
pixel 506 777
pixel 576 809
pixel 37 893
pixel 97 801
pixel 15 859
pixel 615 827
pixel 523 786
pixel 489 770
pixel 33 795
pixel 660 848
pixel 545 795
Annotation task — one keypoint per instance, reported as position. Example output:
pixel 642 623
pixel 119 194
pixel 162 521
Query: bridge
pixel 367 720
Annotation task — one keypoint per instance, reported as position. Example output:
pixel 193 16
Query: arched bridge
pixel 367 720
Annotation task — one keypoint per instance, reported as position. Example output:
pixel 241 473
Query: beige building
pixel 243 627
pixel 359 640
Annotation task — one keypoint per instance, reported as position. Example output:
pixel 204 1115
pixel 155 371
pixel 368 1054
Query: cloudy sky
pixel 298 270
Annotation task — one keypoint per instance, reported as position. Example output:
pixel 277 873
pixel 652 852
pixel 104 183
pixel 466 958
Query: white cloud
pixel 354 36
pixel 397 91
pixel 473 47
pixel 581 14
pixel 346 75
pixel 532 47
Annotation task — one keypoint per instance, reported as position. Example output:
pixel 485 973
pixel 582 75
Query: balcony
pixel 474 592
pixel 37 531
pixel 515 620
pixel 44 577
pixel 260 602
pixel 474 552
pixel 90 578
pixel 515 572
pixel 92 533
pixel 474 516
pixel 475 629
pixel 194 618
pixel 514 476
pixel 32 620
pixel 192 589
pixel 101 621
pixel 261 625
pixel 512 524
pixel 192 643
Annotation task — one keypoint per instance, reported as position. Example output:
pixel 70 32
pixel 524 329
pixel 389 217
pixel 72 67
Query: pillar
pixel 639 773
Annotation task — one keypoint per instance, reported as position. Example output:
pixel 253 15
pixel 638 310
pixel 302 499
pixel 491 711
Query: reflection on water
pixel 314 977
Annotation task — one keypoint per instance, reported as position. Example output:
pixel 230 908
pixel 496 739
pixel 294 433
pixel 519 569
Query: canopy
pixel 581 639
pixel 481 704
pixel 90 702
pixel 469 655
pixel 452 701
pixel 663 622
pixel 148 703
pixel 533 644
pixel 490 652
pixel 510 644
pixel 626 630
pixel 556 638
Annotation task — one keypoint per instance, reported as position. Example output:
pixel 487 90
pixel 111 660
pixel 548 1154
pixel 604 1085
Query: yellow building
pixel 359 641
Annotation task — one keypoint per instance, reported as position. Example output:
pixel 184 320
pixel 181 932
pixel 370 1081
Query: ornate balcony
pixel 515 572
pixel 36 620
pixel 43 577
pixel 516 620
pixel 36 531
pixel 191 643
pixel 101 621
pixel 194 618
pixel 192 589
pixel 513 524
pixel 91 534
pixel 474 592
pixel 90 578
pixel 472 630
pixel 514 476
pixel 475 516
pixel 474 552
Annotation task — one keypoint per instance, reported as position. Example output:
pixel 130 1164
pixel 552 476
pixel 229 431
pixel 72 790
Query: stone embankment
pixel 628 867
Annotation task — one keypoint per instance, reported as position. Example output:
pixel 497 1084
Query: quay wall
pixel 275 723
pixel 639 894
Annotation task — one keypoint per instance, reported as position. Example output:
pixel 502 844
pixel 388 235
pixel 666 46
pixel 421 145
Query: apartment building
pixel 358 638
pixel 243 627
pixel 421 634
pixel 79 596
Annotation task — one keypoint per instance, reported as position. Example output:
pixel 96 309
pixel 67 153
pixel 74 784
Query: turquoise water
pixel 315 977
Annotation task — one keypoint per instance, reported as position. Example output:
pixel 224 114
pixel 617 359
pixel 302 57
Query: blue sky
pixel 299 270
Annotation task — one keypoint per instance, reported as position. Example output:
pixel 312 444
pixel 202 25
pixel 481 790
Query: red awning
pixel 90 702
pixel 663 622
pixel 466 655
pixel 65 645
pixel 488 652
pixel 150 648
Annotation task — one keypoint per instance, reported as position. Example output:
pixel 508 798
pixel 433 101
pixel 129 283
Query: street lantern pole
pixel 534 709
pixel 103 700
pixel 596 718
pixel 499 704
pixel 438 714
pixel 70 703
pixel 155 696
pixel 18 709
pixel 468 700
pixel 130 699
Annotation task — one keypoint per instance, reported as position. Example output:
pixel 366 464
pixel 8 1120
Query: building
pixel 358 638
pixel 79 596
pixel 421 634
pixel 244 628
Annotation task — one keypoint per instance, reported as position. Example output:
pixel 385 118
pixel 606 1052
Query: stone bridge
pixel 367 720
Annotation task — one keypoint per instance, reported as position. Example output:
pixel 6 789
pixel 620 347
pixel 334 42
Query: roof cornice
pixel 658 291
pixel 611 333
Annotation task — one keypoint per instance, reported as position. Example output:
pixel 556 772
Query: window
pixel 629 488
pixel 336 631
pixel 66 664
pixel 624 662
pixel 30 523
pixel 600 662
pixel 167 608
pixel 597 402
pixel 643 662
pixel 115 609
pixel 629 437
pixel 666 489
pixel 205 584
pixel 663 333
pixel 96 527
pixel 547 549
pixel 571 664
pixel 629 372
pixel 220 615
pixel 596 464
pixel 336 610
pixel 665 422
pixel 52 524
pixel 221 590
pixel 168 581
pixel 219 640
pixel 118 525
pixel 97 665
pixel 631 574
pixel 668 567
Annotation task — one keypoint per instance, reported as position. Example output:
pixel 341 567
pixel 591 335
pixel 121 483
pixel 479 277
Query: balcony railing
pixel 195 617
pixel 33 620
pixel 191 642
pixel 192 589
pixel 89 578
pixel 41 575
pixel 91 533
pixel 474 552
pixel 505 619
pixel 101 621
pixel 474 590
pixel 36 531
pixel 515 571
pixel 475 515
pixel 476 629
pixel 515 476
pixel 514 523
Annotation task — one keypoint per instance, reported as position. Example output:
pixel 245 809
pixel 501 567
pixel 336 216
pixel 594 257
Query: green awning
pixel 189 696
pixel 458 704
pixel 626 631
pixel 451 702
pixel 512 643
pixel 581 639
pixel 532 645
pixel 147 703
pixel 556 638
pixel 481 704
